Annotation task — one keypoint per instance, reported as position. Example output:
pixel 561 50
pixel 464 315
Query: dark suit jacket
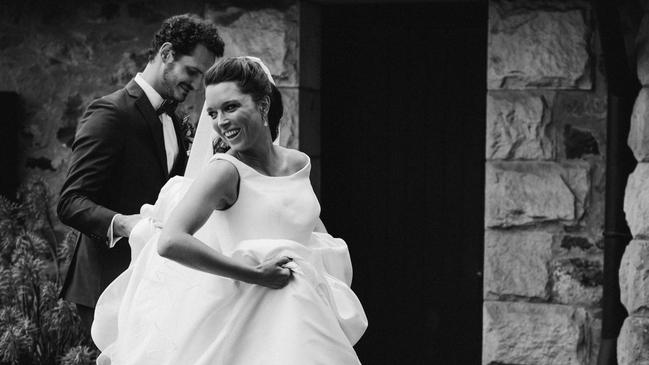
pixel 118 163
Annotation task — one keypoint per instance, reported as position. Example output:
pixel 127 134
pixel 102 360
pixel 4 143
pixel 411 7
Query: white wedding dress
pixel 161 312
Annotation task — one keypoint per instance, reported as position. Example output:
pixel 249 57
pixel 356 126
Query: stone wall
pixel 59 56
pixel 633 341
pixel 545 164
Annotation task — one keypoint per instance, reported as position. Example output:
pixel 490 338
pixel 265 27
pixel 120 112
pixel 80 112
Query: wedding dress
pixel 161 312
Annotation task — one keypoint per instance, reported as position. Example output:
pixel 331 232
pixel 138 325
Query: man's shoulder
pixel 108 112
pixel 118 99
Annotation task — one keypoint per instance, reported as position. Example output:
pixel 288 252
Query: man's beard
pixel 168 83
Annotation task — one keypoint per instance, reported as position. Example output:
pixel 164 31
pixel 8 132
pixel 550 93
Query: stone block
pixel 634 277
pixel 579 143
pixel 518 127
pixel 633 342
pixel 577 281
pixel 638 139
pixel 539 334
pixel 576 243
pixel 595 336
pixel 289 132
pixel 528 193
pixel 580 108
pixel 516 264
pixel 580 121
pixel 267 33
pixel 537 45
pixel 636 201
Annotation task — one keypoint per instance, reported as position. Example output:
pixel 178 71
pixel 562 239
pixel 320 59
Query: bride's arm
pixel 215 188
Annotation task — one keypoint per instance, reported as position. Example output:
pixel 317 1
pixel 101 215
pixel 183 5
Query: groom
pixel 127 146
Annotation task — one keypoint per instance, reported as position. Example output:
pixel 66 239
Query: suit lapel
pixel 153 122
pixel 179 165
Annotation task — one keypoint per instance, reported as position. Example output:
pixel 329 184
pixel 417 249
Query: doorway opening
pixel 403 92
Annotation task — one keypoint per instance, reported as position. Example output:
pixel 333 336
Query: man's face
pixel 184 73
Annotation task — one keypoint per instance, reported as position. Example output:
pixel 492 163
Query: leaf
pixel 79 355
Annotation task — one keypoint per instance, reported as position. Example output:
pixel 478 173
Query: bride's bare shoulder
pixel 219 181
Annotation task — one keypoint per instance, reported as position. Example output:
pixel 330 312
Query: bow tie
pixel 168 107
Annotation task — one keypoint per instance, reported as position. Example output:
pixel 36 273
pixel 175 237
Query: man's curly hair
pixel 184 32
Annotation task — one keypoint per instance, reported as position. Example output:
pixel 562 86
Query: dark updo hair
pixel 185 32
pixel 251 80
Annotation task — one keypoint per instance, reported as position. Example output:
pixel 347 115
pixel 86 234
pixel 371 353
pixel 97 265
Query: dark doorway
pixel 403 128
pixel 11 121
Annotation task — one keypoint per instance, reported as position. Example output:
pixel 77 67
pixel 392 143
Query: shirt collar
pixel 154 98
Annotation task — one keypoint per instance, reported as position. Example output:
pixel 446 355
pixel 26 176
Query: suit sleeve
pixel 96 150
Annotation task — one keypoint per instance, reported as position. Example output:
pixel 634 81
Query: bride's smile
pixel 236 116
pixel 230 134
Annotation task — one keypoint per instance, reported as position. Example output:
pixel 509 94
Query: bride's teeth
pixel 233 133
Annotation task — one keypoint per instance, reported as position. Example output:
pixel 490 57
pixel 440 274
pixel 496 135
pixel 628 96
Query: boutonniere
pixel 188 130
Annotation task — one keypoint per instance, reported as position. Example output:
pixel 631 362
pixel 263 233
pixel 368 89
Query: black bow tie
pixel 168 107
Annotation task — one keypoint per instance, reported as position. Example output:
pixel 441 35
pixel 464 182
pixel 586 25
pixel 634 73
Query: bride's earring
pixel 264 113
pixel 264 116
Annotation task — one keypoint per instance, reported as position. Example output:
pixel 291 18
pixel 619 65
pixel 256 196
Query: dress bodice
pixel 268 207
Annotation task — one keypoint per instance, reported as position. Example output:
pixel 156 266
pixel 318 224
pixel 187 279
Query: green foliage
pixel 36 327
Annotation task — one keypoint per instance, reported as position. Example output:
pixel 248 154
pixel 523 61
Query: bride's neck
pixel 263 158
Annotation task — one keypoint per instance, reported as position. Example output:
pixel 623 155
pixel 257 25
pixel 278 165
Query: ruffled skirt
pixel 161 312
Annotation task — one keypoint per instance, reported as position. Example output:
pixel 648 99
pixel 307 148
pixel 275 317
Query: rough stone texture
pixel 569 242
pixel 518 127
pixel 577 281
pixel 61 58
pixel 595 335
pixel 579 143
pixel 289 127
pixel 57 70
pixel 516 264
pixel 537 46
pixel 579 117
pixel 638 139
pixel 634 277
pixel 636 201
pixel 526 333
pixel 581 107
pixel 270 34
pixel 633 342
pixel 528 193
pixel 642 51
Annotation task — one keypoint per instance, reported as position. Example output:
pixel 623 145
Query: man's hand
pixel 123 224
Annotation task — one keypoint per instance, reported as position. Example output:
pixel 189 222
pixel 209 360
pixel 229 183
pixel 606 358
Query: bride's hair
pixel 252 80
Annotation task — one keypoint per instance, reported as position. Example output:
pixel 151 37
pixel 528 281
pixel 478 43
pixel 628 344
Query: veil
pixel 202 148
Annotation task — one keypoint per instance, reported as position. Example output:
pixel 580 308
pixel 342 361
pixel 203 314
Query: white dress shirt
pixel 168 132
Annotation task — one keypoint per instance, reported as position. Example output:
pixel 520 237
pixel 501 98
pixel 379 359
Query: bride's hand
pixel 272 273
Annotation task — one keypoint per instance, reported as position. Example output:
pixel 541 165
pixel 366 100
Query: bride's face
pixel 236 116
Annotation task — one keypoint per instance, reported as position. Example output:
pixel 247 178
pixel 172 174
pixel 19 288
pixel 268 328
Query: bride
pixel 236 276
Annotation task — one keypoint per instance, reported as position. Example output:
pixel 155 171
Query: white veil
pixel 202 148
